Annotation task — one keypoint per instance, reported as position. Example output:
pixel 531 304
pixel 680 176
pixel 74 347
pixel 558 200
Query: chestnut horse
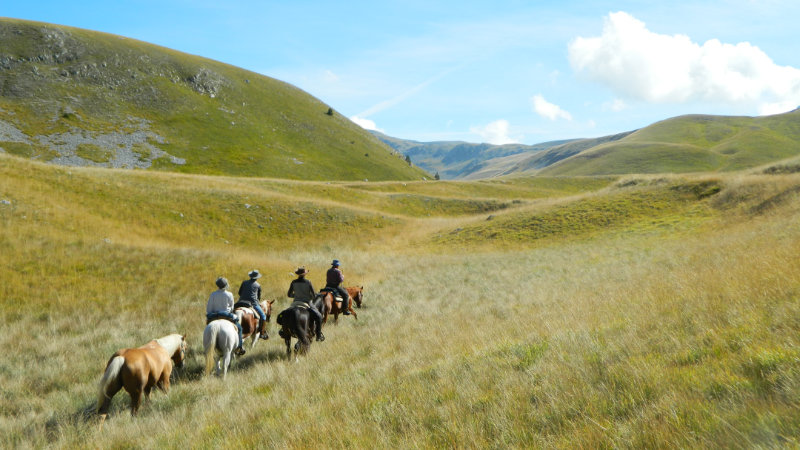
pixel 330 306
pixel 249 321
pixel 139 369
pixel 357 294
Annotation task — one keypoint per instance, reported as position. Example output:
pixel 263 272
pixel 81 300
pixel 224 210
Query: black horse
pixel 297 322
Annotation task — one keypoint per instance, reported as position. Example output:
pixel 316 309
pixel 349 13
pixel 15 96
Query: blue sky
pixel 500 71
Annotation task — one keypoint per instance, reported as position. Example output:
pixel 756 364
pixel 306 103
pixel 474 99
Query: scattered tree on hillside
pixel 408 160
pixel 436 176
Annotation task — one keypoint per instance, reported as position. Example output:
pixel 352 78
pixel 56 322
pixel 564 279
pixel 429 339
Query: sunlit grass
pixel 675 324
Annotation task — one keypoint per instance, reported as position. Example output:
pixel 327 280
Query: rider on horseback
pixel 250 296
pixel 301 290
pixel 333 282
pixel 220 306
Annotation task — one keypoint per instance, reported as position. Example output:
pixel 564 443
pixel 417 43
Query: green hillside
pixel 530 312
pixel 78 97
pixel 694 143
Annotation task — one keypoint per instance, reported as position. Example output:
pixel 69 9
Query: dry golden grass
pixel 683 334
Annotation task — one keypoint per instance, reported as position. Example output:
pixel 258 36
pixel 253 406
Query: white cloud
pixel 639 64
pixel 365 123
pixel 548 110
pixel 495 132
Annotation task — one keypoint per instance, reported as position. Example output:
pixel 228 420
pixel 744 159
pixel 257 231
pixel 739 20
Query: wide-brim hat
pixel 335 262
pixel 301 271
pixel 254 274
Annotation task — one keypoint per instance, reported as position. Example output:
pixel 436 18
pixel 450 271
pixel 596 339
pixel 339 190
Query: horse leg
pixel 225 364
pixel 108 394
pixel 163 382
pixel 136 399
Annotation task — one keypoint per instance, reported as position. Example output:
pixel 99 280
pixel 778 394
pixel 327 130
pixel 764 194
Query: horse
pixel 295 322
pixel 331 306
pixel 219 339
pixel 357 294
pixel 139 369
pixel 249 320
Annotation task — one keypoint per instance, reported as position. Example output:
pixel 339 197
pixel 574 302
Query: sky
pixel 500 71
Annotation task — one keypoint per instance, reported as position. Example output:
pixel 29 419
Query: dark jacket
pixel 250 292
pixel 334 277
pixel 301 290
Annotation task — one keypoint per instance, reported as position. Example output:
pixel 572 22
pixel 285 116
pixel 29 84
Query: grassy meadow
pixel 641 311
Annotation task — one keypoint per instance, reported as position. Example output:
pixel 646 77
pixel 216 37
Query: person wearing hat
pixel 220 306
pixel 301 290
pixel 250 296
pixel 333 280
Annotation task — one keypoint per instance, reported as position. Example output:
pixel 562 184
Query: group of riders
pixel 221 305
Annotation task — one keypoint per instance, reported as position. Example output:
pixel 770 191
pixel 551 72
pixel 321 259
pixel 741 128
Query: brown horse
pixel 139 369
pixel 249 321
pixel 357 294
pixel 330 306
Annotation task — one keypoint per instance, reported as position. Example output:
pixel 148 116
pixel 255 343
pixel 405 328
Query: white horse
pixel 219 339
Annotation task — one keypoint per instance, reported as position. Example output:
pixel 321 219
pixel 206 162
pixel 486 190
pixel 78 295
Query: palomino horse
pixel 249 320
pixel 219 339
pixel 296 322
pixel 139 369
pixel 331 306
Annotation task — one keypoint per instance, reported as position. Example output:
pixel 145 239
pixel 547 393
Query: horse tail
pixel 111 374
pixel 210 344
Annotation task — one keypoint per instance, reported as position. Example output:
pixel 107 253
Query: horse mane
pixel 171 343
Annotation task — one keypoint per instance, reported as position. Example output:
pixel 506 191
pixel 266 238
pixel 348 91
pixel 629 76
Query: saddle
pixel 248 310
pixel 299 304
pixel 336 297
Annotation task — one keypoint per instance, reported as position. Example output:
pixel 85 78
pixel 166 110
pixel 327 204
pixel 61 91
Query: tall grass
pixel 679 336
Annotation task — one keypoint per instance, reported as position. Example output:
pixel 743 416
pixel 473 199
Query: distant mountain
pixel 79 97
pixel 456 159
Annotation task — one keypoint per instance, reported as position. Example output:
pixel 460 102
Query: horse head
pixel 266 306
pixel 357 294
pixel 180 354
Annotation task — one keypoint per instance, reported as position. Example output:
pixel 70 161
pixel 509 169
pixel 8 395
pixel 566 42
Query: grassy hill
pixel 694 143
pixel 642 311
pixel 78 97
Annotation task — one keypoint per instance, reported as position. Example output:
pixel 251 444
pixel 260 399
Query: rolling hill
pixel 641 311
pixel 692 143
pixel 77 97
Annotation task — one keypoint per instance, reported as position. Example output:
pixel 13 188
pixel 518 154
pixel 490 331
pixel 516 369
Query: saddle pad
pixel 248 310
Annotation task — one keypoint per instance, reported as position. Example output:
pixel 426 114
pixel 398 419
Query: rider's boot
pixel 240 351
pixel 346 306
pixel 320 337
